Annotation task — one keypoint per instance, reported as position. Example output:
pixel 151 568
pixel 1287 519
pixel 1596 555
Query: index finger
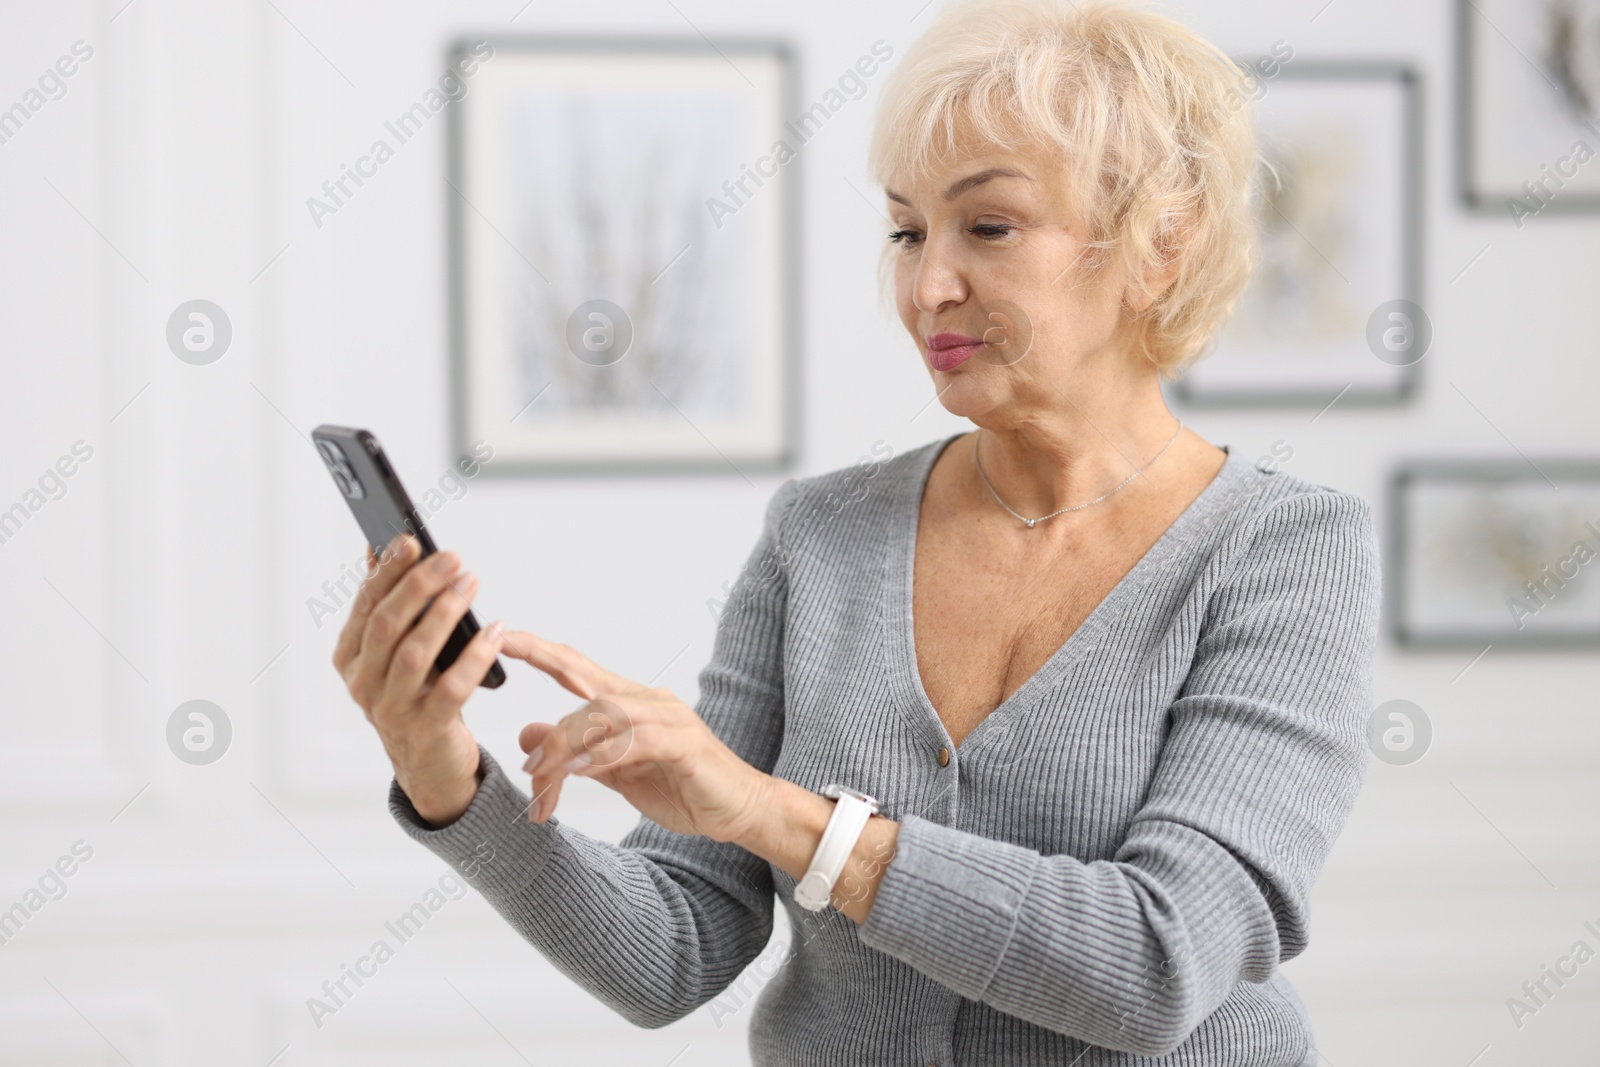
pixel 384 571
pixel 571 669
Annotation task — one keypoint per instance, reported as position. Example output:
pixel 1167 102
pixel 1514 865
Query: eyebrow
pixel 969 182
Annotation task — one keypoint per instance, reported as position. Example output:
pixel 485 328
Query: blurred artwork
pixel 618 309
pixel 1303 214
pixel 1502 553
pixel 1571 51
pixel 1530 99
pixel 609 191
pixel 1336 203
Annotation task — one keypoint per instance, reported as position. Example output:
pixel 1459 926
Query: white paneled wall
pixel 177 563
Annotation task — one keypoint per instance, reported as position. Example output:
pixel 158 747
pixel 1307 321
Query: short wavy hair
pixel 1153 125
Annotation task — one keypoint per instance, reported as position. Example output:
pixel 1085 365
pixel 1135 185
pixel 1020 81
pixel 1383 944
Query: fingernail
pixel 534 757
pixel 464 583
pixel 443 563
pixel 497 630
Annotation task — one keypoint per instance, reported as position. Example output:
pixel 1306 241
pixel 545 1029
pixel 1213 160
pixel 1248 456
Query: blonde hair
pixel 1152 124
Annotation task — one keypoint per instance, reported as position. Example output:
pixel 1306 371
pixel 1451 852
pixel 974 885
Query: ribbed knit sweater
pixel 1109 868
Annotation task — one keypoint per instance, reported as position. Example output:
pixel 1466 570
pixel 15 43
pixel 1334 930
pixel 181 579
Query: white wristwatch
pixel 849 818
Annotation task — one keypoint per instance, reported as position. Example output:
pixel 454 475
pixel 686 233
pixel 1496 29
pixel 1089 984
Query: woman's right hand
pixel 385 655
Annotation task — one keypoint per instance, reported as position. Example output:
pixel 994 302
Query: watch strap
pixel 850 815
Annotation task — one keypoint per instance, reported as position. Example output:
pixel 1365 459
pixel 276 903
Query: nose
pixel 938 280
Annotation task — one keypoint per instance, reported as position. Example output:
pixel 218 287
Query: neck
pixel 1085 443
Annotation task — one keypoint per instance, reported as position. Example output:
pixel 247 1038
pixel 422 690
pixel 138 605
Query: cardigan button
pixel 944 757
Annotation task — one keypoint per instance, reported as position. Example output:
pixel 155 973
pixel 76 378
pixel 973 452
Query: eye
pixel 905 237
pixel 990 230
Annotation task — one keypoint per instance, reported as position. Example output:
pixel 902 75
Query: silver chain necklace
pixel 1031 523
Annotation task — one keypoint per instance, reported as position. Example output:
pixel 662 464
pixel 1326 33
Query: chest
pixel 985 620
pixel 939 628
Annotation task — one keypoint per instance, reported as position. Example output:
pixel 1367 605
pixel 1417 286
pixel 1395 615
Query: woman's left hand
pixel 644 743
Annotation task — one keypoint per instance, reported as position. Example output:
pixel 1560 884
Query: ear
pixel 1156 283
pixel 1158 278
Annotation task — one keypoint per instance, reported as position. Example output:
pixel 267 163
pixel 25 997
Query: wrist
pixel 749 825
pixel 441 800
pixel 789 824
pixel 789 828
pixel 852 810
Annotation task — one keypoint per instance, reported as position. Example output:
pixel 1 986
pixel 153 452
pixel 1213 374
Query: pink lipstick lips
pixel 947 351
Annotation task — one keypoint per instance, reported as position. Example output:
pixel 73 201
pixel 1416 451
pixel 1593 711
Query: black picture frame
pixel 1473 29
pixel 1407 626
pixel 1409 176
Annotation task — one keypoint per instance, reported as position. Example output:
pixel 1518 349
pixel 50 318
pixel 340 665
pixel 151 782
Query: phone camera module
pixel 339 466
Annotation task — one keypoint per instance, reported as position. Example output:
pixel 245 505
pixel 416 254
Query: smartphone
pixel 384 511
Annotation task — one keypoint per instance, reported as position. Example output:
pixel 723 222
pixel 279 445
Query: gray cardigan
pixel 1109 868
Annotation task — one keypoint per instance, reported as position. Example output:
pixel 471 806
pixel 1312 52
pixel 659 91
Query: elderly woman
pixel 1039 734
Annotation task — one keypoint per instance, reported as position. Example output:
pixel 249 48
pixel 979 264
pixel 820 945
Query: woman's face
pixel 987 281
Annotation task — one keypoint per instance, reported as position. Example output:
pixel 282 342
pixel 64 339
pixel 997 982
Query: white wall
pixel 178 563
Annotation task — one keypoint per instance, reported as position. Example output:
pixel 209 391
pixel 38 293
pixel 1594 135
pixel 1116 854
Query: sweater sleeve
pixel 660 923
pixel 1264 755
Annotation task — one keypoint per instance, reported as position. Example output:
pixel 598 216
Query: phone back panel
pixel 376 498
pixel 379 502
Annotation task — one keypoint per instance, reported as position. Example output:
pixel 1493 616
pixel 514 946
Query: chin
pixel 965 394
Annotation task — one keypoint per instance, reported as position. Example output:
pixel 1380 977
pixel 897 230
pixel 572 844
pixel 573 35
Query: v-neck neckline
pixel 900 589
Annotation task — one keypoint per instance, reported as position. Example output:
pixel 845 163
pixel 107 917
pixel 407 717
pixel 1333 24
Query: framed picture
pixel 1529 98
pixel 1331 313
pixel 1502 553
pixel 622 217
